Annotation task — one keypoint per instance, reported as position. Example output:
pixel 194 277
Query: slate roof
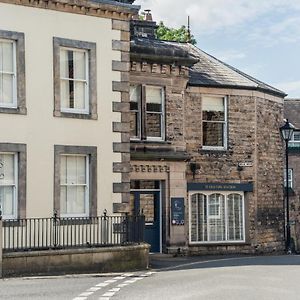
pixel 292 111
pixel 205 70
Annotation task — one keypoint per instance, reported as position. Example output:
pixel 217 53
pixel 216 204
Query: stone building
pixel 291 112
pixel 206 154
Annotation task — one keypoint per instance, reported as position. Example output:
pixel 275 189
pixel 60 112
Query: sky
pixel 259 37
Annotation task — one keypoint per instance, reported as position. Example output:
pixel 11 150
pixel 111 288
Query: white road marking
pixel 128 274
pixel 102 284
pixel 94 289
pixel 79 298
pixel 104 298
pixel 120 277
pixel 108 294
pixel 122 285
pixel 114 290
pixel 139 278
pixel 110 281
pixel 130 281
pixel 86 294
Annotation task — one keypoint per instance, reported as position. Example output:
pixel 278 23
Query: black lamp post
pixel 286 133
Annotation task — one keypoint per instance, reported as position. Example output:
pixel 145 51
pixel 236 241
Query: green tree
pixel 176 35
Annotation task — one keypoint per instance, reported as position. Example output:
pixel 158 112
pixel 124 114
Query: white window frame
pixel 225 122
pixel 15 187
pixel 291 175
pixel 225 193
pixel 86 81
pixel 87 185
pixel 162 113
pixel 14 103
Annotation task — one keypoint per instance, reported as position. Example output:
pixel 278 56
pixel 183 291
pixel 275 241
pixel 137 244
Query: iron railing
pixel 62 233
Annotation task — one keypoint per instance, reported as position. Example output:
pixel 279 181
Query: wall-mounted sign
pixel 214 186
pixel 246 164
pixel 177 211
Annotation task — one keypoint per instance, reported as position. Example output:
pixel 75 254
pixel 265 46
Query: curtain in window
pixel 7 184
pixel 74 185
pixel 7 72
pixel 217 217
pixel 73 79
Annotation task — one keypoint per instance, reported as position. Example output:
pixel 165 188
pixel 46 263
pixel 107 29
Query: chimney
pixel 143 28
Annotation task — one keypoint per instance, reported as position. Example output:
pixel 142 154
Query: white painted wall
pixel 39 129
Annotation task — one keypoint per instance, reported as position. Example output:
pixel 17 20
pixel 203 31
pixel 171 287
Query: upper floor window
pixel 290 178
pixel 214 122
pixel 75 79
pixel 12 72
pixel 147 112
pixel 295 141
pixel 8 78
pixel 74 72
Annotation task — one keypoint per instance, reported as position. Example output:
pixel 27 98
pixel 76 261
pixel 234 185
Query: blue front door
pixel 147 203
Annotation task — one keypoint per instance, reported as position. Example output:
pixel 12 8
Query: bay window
pixel 214 122
pixel 217 217
pixel 147 112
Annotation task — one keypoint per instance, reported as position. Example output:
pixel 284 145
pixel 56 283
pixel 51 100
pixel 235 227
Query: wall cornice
pixel 83 7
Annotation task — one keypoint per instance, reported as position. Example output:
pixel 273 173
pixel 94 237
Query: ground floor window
pixel 74 185
pixel 8 184
pixel 217 217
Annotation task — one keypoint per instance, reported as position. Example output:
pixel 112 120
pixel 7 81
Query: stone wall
pixel 269 207
pixel 106 259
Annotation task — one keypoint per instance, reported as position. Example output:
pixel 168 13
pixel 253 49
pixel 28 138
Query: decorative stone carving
pixel 149 168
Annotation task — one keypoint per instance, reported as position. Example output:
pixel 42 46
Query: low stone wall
pixel 93 260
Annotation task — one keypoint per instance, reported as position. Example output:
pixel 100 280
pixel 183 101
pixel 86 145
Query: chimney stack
pixel 143 28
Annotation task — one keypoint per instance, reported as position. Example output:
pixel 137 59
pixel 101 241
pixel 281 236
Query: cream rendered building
pixel 63 96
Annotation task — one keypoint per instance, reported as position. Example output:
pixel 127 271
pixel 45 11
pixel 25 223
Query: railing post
pixel 55 242
pixel 1 251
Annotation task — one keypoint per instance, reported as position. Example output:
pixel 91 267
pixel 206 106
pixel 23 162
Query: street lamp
pixel 286 133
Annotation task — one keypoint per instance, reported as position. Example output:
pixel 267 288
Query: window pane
pixel 135 115
pixel 72 199
pixel 199 218
pixel 147 207
pixel 75 170
pixel 154 99
pixel 6 57
pixel 213 116
pixel 64 69
pixel 7 200
pixel 213 104
pixel 79 65
pixel 213 134
pixel 7 169
pixel 79 95
pixel 235 217
pixel 296 136
pixel 6 88
pixel 65 94
pixel 153 125
pixel 134 124
pixel 216 223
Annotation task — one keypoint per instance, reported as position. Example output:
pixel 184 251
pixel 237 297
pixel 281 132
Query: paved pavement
pixel 209 278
